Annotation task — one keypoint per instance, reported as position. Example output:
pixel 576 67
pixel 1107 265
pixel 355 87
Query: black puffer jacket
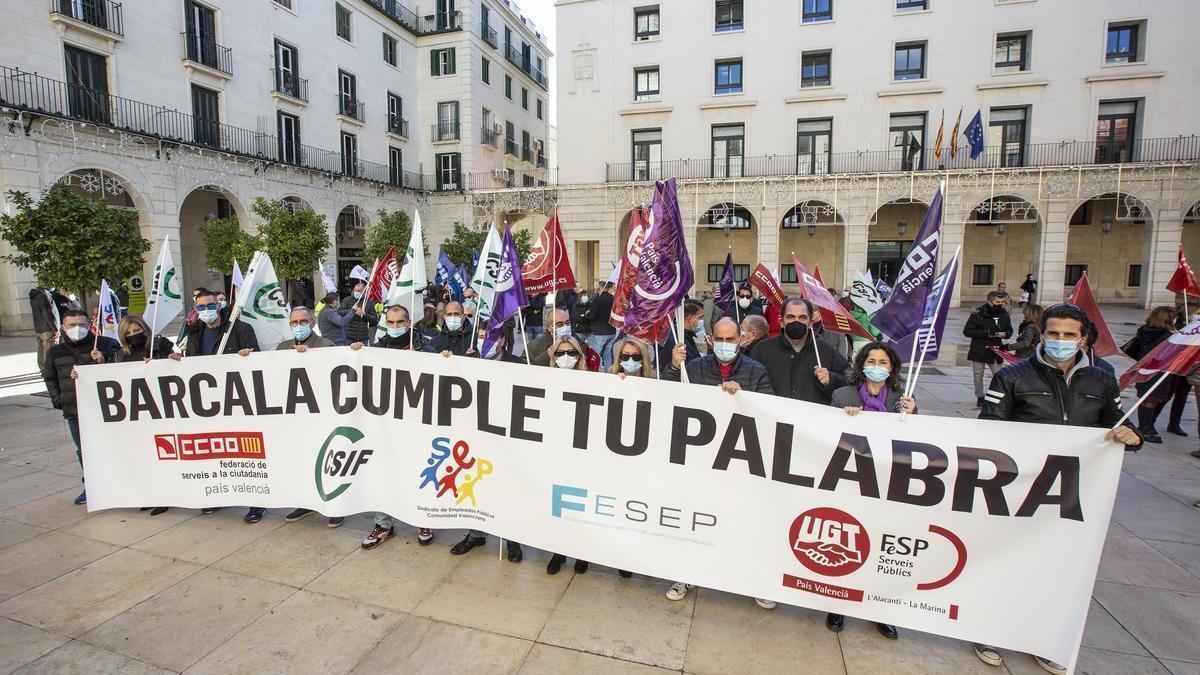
pixel 162 349
pixel 420 343
pixel 1032 391
pixel 458 343
pixel 62 358
pixel 984 330
pixel 241 336
pixel 748 373
pixel 791 371
pixel 1149 337
pixel 358 328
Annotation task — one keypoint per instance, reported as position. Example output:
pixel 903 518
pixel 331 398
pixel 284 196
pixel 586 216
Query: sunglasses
pixel 566 352
pixel 211 305
pixel 631 357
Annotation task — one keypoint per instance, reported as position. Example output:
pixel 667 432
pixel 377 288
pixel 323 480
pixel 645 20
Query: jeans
pixel 977 370
pixel 73 426
pixel 603 345
pixel 44 342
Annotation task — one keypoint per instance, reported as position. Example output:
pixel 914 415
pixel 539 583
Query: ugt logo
pixel 460 477
pixel 339 459
pixel 829 541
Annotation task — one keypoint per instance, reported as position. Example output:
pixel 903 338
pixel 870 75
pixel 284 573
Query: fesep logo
pixel 593 503
pixel 217 445
pixel 829 541
pixel 339 459
pixel 460 476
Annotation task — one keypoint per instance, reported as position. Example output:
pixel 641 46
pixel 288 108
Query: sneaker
pixel 765 604
pixel 424 536
pixel 468 542
pixel 297 515
pixel 835 622
pixel 158 510
pixel 678 590
pixel 211 510
pixel 377 537
pixel 515 554
pixel 81 499
pixel 988 654
pixel 336 521
pixel 1050 666
pixel 254 515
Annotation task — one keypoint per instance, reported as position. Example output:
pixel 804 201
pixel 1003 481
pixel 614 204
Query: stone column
pixel 855 244
pixel 1161 255
pixel 1052 251
pixel 953 236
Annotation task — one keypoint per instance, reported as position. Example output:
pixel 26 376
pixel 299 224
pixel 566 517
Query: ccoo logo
pixel 338 460
pixel 829 541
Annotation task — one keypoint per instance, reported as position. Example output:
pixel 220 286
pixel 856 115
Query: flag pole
pixel 237 309
pixel 521 326
pixel 910 386
pixel 1142 400
pixel 677 331
pixel 812 335
pixel 157 302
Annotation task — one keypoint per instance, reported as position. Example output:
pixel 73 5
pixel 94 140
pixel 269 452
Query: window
pixel 1012 52
pixel 729 15
pixel 814 146
pixel 817 10
pixel 728 77
pixel 727 216
pixel 1115 129
pixel 287 71
pixel 486 72
pixel 526 149
pixel 787 274
pixel 201 25
pixel 395 119
pixel 508 86
pixel 1074 274
pixel 527 180
pixel 910 61
pixel 390 50
pixel 1006 136
pixel 349 154
pixel 448 167
pixel 289 137
pixel 814 68
pixel 645 22
pixel 907 132
pixel 395 166
pixel 647 154
pixel 717 270
pixel 284 3
pixel 206 122
pixel 645 83
pixel 1134 278
pixel 87 85
pixel 1122 45
pixel 728 143
pixel 982 275
pixel 447 121
pixel 524 98
pixel 540 112
pixel 342 21
pixel 510 139
pixel 911 5
pixel 441 61
pixel 347 94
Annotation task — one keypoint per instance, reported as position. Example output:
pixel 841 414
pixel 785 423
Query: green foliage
pixel 295 241
pixel 464 240
pixel 224 242
pixel 393 228
pixel 73 242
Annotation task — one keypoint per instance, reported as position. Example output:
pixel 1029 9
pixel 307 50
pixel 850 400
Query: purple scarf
pixel 873 402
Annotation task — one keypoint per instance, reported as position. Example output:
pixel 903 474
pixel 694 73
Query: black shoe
pixel 254 515
pixel 211 509
pixel 888 631
pixel 336 521
pixel 515 554
pixel 1175 429
pixel 158 510
pixel 580 566
pixel 555 564
pixel 1150 436
pixel 835 622
pixel 468 542
pixel 625 574
pixel 145 508
pixel 979 402
pixel 297 515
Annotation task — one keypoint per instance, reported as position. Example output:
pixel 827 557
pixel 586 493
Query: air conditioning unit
pixel 498 128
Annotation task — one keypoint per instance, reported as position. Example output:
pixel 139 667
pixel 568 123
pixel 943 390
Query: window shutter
pixel 452 68
pixel 433 62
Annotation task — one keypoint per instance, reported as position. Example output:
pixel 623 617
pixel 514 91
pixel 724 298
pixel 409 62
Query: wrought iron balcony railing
pixel 398 126
pixel 487 136
pixel 104 14
pixel 289 85
pixel 352 108
pixel 200 49
pixel 445 131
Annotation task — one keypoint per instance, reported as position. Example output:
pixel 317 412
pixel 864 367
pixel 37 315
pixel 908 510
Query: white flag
pixel 864 295
pixel 412 279
pixel 261 303
pixel 237 275
pixel 108 311
pixel 482 281
pixel 166 298
pixel 360 273
pixel 326 280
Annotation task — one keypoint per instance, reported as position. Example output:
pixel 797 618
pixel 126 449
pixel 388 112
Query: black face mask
pixel 796 330
pixel 136 341
pixel 994 310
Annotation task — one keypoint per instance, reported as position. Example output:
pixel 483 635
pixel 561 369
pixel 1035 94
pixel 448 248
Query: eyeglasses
pixel 211 305
pixel 746 297
pixel 631 357
pixel 566 352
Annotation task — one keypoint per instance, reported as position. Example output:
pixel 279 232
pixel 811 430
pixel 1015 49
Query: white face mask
pixel 562 331
pixel 566 361
pixel 743 302
pixel 77 333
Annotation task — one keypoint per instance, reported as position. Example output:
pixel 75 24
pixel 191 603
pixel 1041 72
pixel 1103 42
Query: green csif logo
pixel 337 463
pixel 268 303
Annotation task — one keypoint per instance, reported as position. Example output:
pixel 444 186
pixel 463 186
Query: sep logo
pixel 339 459
pixel 456 479
pixel 829 541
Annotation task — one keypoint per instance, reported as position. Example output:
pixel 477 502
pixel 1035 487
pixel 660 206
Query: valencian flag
pixel 382 275
pixel 1083 298
pixel 1177 354
pixel 166 298
pixel 625 276
pixel 509 289
pixel 936 310
pixel 905 307
pixel 724 298
pixel 833 316
pixel 954 135
pixel 763 282
pixel 1184 280
pixel 664 270
pixel 548 269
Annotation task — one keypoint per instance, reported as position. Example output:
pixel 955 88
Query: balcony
pixel 489 35
pixel 349 107
pixel 289 85
pixel 487 136
pixel 445 131
pixel 510 147
pixel 203 51
pixel 398 125
pixel 541 161
pixel 527 155
pixel 103 14
pixel 518 59
pixel 441 22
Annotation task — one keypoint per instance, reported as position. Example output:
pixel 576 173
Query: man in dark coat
pixel 791 358
pixel 987 326
pixel 45 320
pixel 362 325
pixel 204 335
pixel 725 367
pixel 456 332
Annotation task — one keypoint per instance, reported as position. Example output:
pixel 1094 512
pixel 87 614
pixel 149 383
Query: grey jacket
pixel 848 397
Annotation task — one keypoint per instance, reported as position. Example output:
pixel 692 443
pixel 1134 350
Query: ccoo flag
pixel 664 272
pixel 509 290
pixel 166 299
pixel 260 303
pixel 1184 279
pixel 833 316
pixel 936 310
pixel 905 307
pixel 1177 354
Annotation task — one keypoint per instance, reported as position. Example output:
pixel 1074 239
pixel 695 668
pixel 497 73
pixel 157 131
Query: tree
pixel 296 239
pixel 394 228
pixel 73 242
pixel 224 242
pixel 464 240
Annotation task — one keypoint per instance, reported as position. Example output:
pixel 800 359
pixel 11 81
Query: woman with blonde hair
pixel 631 358
pixel 133 334
pixel 567 353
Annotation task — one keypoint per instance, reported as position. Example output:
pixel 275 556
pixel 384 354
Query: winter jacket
pixel 332 325
pixel 1148 338
pixel 61 358
pixel 358 328
pixel 457 343
pixel 748 373
pixel 791 371
pixel 314 341
pixel 420 343
pixel 241 336
pixel 162 350
pixel 849 397
pixel 1030 338
pixel 600 312
pixel 42 305
pixel 689 339
pixel 984 329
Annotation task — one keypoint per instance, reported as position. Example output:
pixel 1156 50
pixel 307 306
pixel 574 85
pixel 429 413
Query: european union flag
pixel 974 134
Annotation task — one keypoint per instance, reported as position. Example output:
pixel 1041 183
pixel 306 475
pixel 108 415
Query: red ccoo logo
pixel 829 541
pixel 219 445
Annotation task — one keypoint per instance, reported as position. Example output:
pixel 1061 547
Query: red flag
pixel 548 269
pixel 816 273
pixel 381 277
pixel 627 277
pixel 765 284
pixel 1006 356
pixel 1083 298
pixel 1178 354
pixel 833 315
pixel 1184 280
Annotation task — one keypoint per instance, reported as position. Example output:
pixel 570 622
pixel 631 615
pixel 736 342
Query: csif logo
pixel 829 541
pixel 268 303
pixel 339 459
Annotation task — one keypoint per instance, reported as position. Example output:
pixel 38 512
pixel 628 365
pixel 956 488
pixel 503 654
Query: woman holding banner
pixel 631 359
pixel 1158 327
pixel 566 352
pixel 134 335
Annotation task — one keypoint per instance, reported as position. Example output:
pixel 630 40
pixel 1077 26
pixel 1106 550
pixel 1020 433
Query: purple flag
pixel 510 291
pixel 939 304
pixel 664 272
pixel 905 307
pixel 724 298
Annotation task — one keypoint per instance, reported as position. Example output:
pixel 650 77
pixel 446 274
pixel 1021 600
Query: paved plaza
pixel 123 592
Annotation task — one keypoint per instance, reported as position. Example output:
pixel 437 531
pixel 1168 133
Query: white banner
pixel 980 530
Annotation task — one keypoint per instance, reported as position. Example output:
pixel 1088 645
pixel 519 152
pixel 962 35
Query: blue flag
pixel 902 313
pixel 509 289
pixel 885 291
pixel 447 273
pixel 724 298
pixel 974 134
pixel 474 264
pixel 939 305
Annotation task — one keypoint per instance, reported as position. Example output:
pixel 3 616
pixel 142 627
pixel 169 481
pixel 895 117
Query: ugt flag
pixel 107 316
pixel 1083 298
pixel 383 273
pixel 486 269
pixel 833 316
pixel 447 273
pixel 664 268
pixel 510 292
pixel 548 269
pixel 905 307
pixel 1184 280
pixel 260 303
pixel 166 299
pixel 1177 354
pixel 935 315
pixel 724 298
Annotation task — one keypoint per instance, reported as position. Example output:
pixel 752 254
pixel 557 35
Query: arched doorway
pixel 1107 238
pixel 1000 245
pixel 1191 234
pixel 725 226
pixel 814 231
pixel 203 205
pixel 113 191
pixel 350 231
pixel 890 234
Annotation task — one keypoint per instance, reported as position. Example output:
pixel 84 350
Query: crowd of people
pixel 778 349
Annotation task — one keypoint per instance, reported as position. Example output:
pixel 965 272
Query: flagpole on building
pixel 910 386
pixel 1142 400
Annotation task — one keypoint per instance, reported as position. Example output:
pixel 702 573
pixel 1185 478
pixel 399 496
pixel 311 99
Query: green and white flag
pixel 408 286
pixel 166 296
pixel 260 303
pixel 484 281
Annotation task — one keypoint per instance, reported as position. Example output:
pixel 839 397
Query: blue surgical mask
pixel 725 351
pixel 454 323
pixel 1060 350
pixel 876 374
pixel 301 332
pixel 357 295
pixel 397 332
pixel 562 331
pixel 699 327
pixel 224 304
pixel 631 366
pixel 207 315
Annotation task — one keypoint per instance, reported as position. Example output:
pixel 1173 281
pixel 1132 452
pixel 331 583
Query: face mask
pixel 699 329
pixel 137 340
pixel 208 315
pixel 357 295
pixel 1061 350
pixel 743 302
pixel 224 304
pixel 562 331
pixel 876 374
pixel 566 361
pixel 454 323
pixel 397 332
pixel 301 332
pixel 77 333
pixel 631 366
pixel 724 351
pixel 796 330
pixel 583 299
